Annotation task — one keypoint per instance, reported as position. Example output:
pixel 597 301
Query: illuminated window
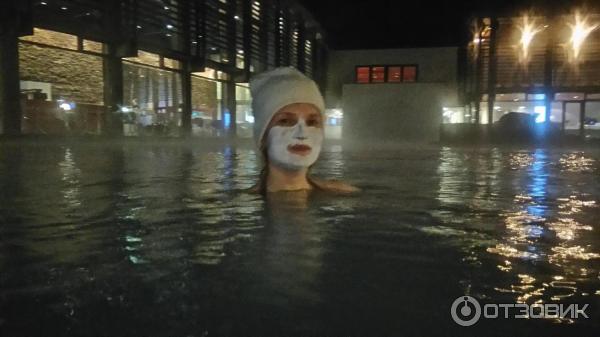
pixel 170 63
pixel 394 74
pixel 536 97
pixel 409 74
pixel 388 73
pixel 146 58
pixel 377 74
pixel 52 38
pixel 362 75
pixel 92 46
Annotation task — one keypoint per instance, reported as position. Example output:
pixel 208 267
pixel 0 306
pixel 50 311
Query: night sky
pixel 365 24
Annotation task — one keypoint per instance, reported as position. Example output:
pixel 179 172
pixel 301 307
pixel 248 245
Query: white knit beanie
pixel 274 89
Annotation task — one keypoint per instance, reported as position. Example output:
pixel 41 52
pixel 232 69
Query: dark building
pixel 135 67
pixel 546 65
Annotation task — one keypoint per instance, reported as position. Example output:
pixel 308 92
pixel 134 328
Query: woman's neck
pixel 280 179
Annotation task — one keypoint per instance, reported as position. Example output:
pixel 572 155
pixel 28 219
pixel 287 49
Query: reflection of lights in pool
pixel 576 162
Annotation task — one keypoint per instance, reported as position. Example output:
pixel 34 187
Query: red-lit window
pixel 377 74
pixel 390 74
pixel 362 75
pixel 409 74
pixel 394 74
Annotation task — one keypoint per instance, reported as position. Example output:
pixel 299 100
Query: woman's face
pixel 294 136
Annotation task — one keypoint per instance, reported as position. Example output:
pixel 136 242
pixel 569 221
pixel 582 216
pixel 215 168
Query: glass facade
pixel 519 77
pixel 61 84
pixel 178 67
pixel 152 101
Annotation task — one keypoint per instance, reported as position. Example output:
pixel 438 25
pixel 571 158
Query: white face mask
pixel 294 147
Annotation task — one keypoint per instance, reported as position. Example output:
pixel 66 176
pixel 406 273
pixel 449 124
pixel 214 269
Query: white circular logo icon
pixel 465 311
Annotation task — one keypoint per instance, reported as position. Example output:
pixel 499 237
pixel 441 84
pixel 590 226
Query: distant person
pixel 288 130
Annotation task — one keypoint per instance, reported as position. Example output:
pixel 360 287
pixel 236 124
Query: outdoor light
pixel 166 8
pixel 139 27
pixel 528 32
pixel 579 32
pixel 541 111
pixel 236 17
pixel 169 26
pixel 338 113
pixel 64 8
pixel 65 106
pixel 43 3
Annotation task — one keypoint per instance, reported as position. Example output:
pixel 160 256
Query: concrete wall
pixel 436 65
pixel 393 112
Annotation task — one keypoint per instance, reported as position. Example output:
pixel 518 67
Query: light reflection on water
pixel 168 229
pixel 544 239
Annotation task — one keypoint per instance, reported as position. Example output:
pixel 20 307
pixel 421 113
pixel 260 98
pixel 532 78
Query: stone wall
pixel 395 112
pixel 204 95
pixel 74 76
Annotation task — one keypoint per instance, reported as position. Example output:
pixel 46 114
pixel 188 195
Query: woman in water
pixel 288 130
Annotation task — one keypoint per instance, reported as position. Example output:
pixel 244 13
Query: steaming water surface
pixel 146 239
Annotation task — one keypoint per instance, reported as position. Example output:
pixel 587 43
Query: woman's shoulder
pixel 334 185
pixel 322 184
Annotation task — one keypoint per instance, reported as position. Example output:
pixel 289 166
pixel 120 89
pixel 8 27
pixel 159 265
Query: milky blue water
pixel 151 239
